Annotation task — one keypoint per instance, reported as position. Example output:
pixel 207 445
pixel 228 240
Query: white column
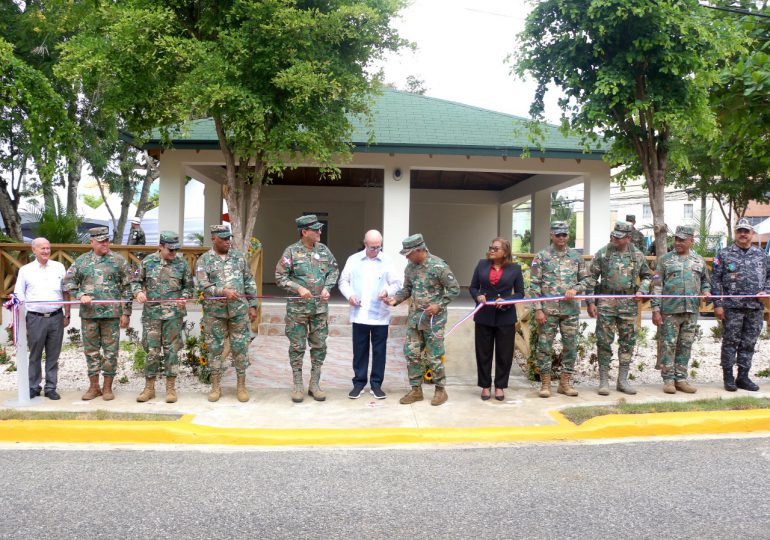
pixel 171 193
pixel 505 221
pixel 395 208
pixel 212 207
pixel 541 219
pixel 596 204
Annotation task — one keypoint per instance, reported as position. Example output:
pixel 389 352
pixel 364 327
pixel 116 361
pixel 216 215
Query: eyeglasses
pixel 494 248
pixel 374 248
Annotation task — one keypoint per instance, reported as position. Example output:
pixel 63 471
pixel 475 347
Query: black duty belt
pixel 45 315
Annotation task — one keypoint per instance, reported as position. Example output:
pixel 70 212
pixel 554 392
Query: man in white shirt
pixel 42 280
pixel 368 278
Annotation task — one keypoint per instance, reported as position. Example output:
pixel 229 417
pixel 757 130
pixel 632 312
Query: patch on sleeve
pixel 286 261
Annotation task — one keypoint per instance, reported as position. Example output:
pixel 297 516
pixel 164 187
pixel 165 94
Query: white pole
pixel 22 363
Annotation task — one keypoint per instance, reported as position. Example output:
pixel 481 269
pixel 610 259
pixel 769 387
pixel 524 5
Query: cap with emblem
pixel 622 229
pixel 170 239
pixel 631 218
pixel 412 243
pixel 743 223
pixel 135 220
pixel 559 227
pixel 309 221
pixel 100 234
pixel 683 232
pixel 222 231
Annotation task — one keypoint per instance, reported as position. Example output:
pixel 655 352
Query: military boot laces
pixel 623 385
pixel 298 391
pixel 545 385
pixel 565 386
pixel 314 388
pixel 149 390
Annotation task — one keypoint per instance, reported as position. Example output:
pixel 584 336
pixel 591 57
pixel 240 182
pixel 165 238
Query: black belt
pixel 45 315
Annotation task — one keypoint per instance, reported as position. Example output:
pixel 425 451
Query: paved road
pixel 672 489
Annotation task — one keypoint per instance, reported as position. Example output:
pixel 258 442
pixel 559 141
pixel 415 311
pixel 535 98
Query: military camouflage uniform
pixel 685 275
pixel 430 282
pixel 552 273
pixel 226 318
pixel 162 322
pixel 638 240
pixel 617 272
pixel 136 237
pixel 104 277
pixel 740 272
pixel 307 320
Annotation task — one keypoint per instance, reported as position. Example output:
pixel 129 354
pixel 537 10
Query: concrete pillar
pixel 171 193
pixel 395 209
pixel 541 219
pixel 212 207
pixel 505 221
pixel 597 225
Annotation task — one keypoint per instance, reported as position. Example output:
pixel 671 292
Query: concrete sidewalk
pixel 271 419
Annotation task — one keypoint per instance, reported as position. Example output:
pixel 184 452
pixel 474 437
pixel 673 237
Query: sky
pixel 461 53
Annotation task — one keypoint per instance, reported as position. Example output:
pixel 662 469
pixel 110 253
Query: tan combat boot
pixel 298 391
pixel 684 386
pixel 604 381
pixel 107 394
pixel 240 391
pixel 668 387
pixel 415 394
pixel 170 389
pixel 565 387
pixel 216 389
pixel 439 396
pixel 313 388
pixel 93 390
pixel 545 385
pixel 149 390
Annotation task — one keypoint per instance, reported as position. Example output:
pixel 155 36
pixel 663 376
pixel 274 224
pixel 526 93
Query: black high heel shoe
pixel 500 397
pixel 486 398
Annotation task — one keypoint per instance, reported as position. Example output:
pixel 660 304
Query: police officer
pixel 682 273
pixel 429 282
pixel 557 271
pixel 741 269
pixel 637 238
pixel 307 269
pixel 616 269
pixel 163 275
pixel 100 274
pixel 225 279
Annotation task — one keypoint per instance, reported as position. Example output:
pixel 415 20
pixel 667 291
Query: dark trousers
pixel 44 333
pixel 742 329
pixel 363 334
pixel 500 339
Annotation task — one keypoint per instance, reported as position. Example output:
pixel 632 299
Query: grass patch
pixel 14 414
pixel 578 415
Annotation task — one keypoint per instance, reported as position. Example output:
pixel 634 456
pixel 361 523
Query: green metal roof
pixel 408 123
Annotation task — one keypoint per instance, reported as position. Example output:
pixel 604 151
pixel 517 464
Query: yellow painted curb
pixel 184 431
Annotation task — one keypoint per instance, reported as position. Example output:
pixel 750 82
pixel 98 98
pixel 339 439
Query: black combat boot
pixel 729 378
pixel 743 382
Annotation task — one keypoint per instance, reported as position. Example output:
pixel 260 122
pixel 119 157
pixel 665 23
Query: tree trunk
pixel 74 173
pixel 10 214
pixel 656 188
pixel 151 174
pixel 127 191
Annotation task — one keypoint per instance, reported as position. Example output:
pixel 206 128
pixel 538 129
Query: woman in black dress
pixel 496 278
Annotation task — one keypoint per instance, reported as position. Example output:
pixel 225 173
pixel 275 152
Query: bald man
pixel 367 279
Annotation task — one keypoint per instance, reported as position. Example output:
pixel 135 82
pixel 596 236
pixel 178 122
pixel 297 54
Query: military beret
pixel 631 218
pixel 222 231
pixel 559 227
pixel 100 234
pixel 411 243
pixel 309 221
pixel 170 239
pixel 684 232
pixel 743 223
pixel 622 229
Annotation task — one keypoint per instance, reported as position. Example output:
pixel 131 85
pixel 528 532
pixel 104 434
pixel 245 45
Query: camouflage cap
pixel 222 231
pixel 743 223
pixel 631 218
pixel 100 234
pixel 559 227
pixel 309 221
pixel 411 243
pixel 683 232
pixel 170 239
pixel 622 229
